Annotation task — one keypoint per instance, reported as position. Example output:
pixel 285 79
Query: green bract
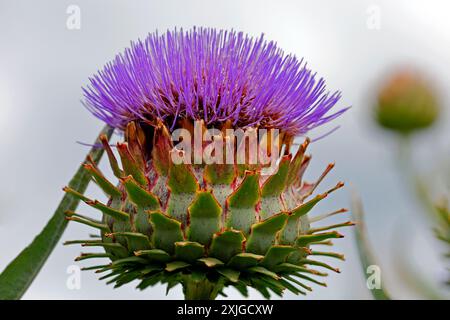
pixel 205 226
pixel 443 229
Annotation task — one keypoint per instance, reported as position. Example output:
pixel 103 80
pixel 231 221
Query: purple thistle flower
pixel 213 75
pixel 181 212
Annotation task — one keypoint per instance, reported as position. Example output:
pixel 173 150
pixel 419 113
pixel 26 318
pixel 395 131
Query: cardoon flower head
pixel 202 213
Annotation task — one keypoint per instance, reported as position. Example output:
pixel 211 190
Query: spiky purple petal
pixel 211 75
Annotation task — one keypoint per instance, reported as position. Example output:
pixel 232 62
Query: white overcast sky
pixel 43 65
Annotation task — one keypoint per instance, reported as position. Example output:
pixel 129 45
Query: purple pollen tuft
pixel 213 75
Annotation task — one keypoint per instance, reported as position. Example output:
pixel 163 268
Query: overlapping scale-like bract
pixel 211 224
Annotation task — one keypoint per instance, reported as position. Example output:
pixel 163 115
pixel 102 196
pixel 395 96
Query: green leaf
pixel 247 194
pixel 20 273
pixel 328 254
pixel 230 274
pixel 304 240
pixel 111 157
pixel 140 196
pixel 299 254
pixel 290 230
pixel 319 264
pixel 244 260
pixel 262 270
pixel 108 188
pixel 113 213
pixel 189 251
pixel 219 173
pixel 85 256
pixel 71 216
pixel 272 189
pixel 166 231
pixel 198 275
pixel 301 284
pixel 130 261
pixel 261 286
pixel 263 234
pixel 241 287
pixel 365 251
pixel 242 202
pixel 305 277
pixel 130 165
pixel 172 280
pixel 276 254
pixel 276 183
pixel 125 278
pixel 157 255
pixel 135 241
pixel 291 268
pixel 161 151
pixel 182 179
pixel 291 287
pixel 210 262
pixel 227 244
pixel 204 216
pixel 296 163
pixel 176 265
pixel 333 226
pixel 183 187
pixel 150 280
pixel 116 249
pixel 274 285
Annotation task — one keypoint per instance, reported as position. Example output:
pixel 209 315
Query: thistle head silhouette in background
pixel 209 224
pixel 406 103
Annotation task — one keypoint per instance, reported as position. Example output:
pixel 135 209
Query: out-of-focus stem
pixel 364 248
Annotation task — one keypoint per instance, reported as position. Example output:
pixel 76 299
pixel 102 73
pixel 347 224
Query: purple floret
pixel 213 75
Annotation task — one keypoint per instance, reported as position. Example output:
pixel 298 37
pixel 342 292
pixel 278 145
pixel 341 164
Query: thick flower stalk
pixel 200 212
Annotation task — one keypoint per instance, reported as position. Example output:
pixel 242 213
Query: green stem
pixel 20 273
pixel 419 188
pixel 199 289
pixel 411 178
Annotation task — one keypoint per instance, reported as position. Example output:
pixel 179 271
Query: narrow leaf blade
pixel 365 251
pixel 20 273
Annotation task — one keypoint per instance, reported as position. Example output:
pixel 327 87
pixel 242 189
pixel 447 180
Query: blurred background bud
pixel 406 102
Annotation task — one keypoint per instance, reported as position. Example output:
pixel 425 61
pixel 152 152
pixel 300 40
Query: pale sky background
pixel 43 66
